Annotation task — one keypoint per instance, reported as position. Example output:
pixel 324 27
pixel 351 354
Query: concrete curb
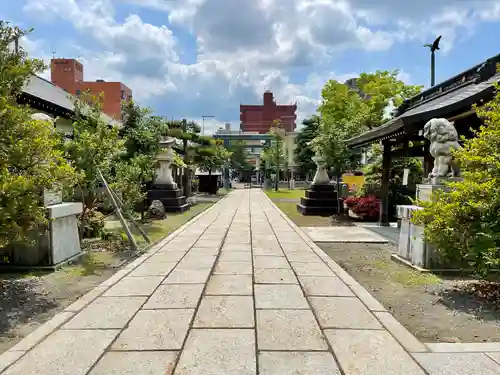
pixel 10 356
pixel 391 324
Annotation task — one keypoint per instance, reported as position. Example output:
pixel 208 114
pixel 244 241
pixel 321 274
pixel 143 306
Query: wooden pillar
pixel 384 196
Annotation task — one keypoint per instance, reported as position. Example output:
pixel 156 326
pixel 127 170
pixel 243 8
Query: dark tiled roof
pixel 459 92
pixel 47 92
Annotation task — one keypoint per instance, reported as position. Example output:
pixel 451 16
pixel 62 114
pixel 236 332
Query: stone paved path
pixel 240 290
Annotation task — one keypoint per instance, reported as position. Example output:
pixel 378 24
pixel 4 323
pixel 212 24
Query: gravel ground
pixel 29 300
pixel 434 308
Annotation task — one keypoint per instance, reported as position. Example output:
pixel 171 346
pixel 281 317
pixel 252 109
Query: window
pixel 123 95
pixel 78 92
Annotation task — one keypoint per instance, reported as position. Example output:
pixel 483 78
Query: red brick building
pixel 259 118
pixel 68 75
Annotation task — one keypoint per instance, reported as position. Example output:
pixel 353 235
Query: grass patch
pixel 290 210
pixel 406 276
pixel 285 194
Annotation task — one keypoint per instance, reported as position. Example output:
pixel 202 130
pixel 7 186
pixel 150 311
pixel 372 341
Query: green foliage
pixel 304 151
pixel 31 159
pixel 464 224
pixel 239 156
pixel 141 131
pixel 273 156
pixel 347 112
pixel 398 194
pixel 216 159
pixel 95 146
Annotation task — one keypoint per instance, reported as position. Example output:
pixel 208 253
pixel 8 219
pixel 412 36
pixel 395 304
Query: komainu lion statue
pixel 444 139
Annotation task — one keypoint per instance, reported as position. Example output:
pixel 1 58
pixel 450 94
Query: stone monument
pixel 322 198
pixel 59 242
pixel 164 188
pixel 412 248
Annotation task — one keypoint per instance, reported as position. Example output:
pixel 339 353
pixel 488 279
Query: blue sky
pixel 193 58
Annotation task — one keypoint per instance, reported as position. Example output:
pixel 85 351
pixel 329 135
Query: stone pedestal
pixel 412 245
pixel 164 187
pixel 320 200
pixel 57 243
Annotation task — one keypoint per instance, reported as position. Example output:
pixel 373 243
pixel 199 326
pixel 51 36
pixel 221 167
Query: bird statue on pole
pixel 433 47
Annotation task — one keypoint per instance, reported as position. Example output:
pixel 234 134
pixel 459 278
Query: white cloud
pixel 246 46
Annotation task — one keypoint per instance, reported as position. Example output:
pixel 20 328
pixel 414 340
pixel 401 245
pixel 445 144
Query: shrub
pixel 366 208
pixel 30 155
pixel 464 224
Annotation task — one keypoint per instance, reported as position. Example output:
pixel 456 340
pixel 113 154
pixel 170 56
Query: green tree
pixel 304 151
pixel 347 112
pixel 195 147
pixel 464 224
pixel 215 160
pixel 95 146
pixel 31 159
pixel 239 156
pixel 274 155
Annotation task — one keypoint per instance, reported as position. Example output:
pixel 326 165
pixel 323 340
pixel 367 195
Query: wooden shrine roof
pixel 453 96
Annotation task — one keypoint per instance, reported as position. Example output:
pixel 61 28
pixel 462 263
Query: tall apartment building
pixel 68 75
pixel 259 118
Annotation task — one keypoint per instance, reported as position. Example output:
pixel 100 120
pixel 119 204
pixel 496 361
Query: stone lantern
pixel 164 188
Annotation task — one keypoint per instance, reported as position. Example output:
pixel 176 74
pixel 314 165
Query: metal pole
pixel 433 68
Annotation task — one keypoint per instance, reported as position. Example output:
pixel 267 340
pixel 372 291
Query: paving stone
pixel 235 256
pixel 244 239
pixel 269 251
pixel 208 243
pixel 400 333
pixel 272 262
pixel 224 351
pixel 153 269
pixel 229 284
pixel 9 357
pixel 445 347
pixel 83 301
pixel 188 276
pixel 233 268
pixel 371 352
pixel 279 296
pixel 64 353
pixel 194 261
pixel 166 257
pixel 204 251
pixel 106 313
pixel 135 363
pixel 134 286
pixel 43 331
pixel 274 276
pixel 457 363
pixel 288 330
pixel 155 330
pixel 225 312
pixel 175 296
pixel 324 286
pixel 343 312
pixel 236 247
pixel 303 257
pixel 312 269
pixel 297 363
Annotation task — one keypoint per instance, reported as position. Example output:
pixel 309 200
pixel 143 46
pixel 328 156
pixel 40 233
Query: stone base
pixel 54 246
pixel 320 200
pixel 170 196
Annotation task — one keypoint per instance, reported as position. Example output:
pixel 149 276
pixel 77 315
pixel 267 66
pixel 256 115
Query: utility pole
pixel 203 123
pixel 433 48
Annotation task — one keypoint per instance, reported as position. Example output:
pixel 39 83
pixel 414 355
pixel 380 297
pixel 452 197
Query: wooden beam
pixel 384 196
pixel 462 115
